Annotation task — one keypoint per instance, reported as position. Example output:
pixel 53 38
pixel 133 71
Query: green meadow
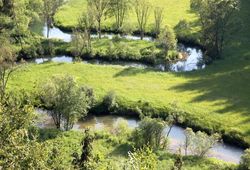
pixel 174 11
pixel 217 97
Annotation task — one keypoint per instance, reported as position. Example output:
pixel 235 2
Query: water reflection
pixel 194 61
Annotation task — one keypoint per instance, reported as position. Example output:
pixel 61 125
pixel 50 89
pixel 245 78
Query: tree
pixel 87 160
pixel 49 9
pixel 158 15
pixel 81 39
pixel 7 64
pixel 150 132
pixel 200 143
pixel 167 39
pixel 67 101
pixel 245 160
pixel 142 10
pixel 119 9
pixel 7 7
pixel 174 117
pixel 99 9
pixel 17 149
pixel 217 18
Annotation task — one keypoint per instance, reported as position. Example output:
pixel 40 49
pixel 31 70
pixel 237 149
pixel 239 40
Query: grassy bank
pixel 216 98
pixel 174 11
pixel 204 95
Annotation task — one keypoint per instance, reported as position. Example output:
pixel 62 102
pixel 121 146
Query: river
pixel 194 60
pixel 221 151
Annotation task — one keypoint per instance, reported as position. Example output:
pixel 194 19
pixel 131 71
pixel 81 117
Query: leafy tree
pixel 119 9
pixel 245 160
pixel 217 18
pixel 158 15
pixel 167 39
pixel 81 39
pixel 49 9
pixel 17 150
pixel 7 64
pixel 143 159
pixel 142 10
pixel 200 143
pixel 67 101
pixel 99 9
pixel 150 132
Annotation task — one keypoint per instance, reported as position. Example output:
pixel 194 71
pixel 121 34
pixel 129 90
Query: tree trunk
pixel 99 30
pixel 142 34
pixel 48 30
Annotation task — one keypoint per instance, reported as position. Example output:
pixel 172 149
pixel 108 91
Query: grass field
pixel 174 11
pixel 219 94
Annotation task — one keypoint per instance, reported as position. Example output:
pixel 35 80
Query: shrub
pixel 200 143
pixel 109 102
pixel 149 132
pixel 167 39
pixel 143 158
pixel 245 160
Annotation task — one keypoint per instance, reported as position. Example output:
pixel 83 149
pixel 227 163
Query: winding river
pixel 221 151
pixel 194 60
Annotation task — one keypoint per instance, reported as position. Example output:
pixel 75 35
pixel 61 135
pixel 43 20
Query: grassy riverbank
pixel 216 98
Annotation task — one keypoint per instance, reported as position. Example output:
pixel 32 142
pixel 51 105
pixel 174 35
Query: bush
pixel 245 160
pixel 109 102
pixel 167 39
pixel 150 132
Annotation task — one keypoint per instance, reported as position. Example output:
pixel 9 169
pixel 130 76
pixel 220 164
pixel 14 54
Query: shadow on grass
pixel 131 71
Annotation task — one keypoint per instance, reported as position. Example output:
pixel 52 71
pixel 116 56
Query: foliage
pixel 119 9
pixel 143 159
pixel 167 39
pixel 200 143
pixel 150 132
pixel 68 102
pixel 86 160
pixel 245 160
pixel 110 102
pixel 158 14
pixel 142 10
pixel 217 18
pixel 7 65
pixel 99 10
pixel 49 10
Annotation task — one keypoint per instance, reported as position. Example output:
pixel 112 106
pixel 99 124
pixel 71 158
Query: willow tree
pixel 99 9
pixel 217 19
pixel 142 10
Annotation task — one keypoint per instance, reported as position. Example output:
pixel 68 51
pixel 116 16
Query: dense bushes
pixel 245 161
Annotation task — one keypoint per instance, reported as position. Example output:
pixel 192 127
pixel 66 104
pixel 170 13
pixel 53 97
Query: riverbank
pixel 158 88
pixel 176 137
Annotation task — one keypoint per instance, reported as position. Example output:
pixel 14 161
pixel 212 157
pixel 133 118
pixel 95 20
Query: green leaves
pixel 67 101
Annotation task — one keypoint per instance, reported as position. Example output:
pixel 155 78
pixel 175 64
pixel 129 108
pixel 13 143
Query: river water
pixel 194 60
pixel 221 151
